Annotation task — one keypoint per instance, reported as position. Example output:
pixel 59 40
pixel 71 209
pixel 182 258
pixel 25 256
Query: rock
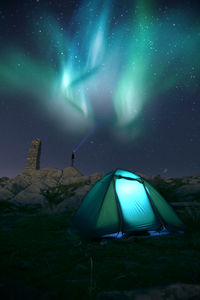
pixel 82 191
pixel 53 177
pixel 95 177
pixel 75 180
pixel 70 175
pixel 31 195
pixel 48 176
pixel 18 183
pixel 71 172
pixel 178 291
pixel 188 192
pixel 73 203
pixel 70 204
pixel 26 188
pixel 3 181
pixel 5 194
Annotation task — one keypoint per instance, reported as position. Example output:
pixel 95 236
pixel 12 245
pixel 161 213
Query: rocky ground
pixel 64 189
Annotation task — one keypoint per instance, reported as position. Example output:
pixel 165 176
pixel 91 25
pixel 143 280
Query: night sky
pixel 120 76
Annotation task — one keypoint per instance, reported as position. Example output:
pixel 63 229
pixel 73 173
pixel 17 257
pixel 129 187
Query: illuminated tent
pixel 123 202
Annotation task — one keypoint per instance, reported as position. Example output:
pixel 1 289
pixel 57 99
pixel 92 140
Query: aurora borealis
pixel 101 64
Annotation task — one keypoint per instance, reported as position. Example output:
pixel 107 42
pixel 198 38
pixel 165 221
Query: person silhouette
pixel 73 157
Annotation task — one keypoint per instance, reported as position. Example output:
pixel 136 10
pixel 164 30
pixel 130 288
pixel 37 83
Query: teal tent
pixel 124 202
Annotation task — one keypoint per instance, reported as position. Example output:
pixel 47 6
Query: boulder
pixel 71 204
pixel 5 194
pixel 28 187
pixel 3 181
pixel 189 192
pixel 75 180
pixel 95 177
pixel 48 176
pixel 52 177
pixel 18 183
pixel 71 172
pixel 31 195
pixel 70 175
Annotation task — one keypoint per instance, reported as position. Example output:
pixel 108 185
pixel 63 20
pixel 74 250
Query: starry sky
pixel 115 81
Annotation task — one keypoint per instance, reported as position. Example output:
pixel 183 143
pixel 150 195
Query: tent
pixel 124 202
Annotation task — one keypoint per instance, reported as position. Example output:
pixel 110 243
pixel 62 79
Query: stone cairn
pixel 33 158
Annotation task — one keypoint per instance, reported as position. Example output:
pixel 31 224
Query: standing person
pixel 73 157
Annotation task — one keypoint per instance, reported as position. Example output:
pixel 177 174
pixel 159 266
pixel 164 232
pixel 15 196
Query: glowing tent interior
pixel 123 202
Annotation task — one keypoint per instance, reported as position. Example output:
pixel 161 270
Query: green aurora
pixel 78 72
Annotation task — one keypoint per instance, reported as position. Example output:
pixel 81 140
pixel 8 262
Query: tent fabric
pixel 124 202
pixel 90 208
pixel 164 209
pixel 109 207
pixel 136 208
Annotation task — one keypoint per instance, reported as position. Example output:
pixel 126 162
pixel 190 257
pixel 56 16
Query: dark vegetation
pixel 10 207
pixel 42 256
pixel 163 187
pixel 56 195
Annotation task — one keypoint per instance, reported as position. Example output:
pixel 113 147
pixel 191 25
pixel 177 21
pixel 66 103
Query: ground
pixel 41 258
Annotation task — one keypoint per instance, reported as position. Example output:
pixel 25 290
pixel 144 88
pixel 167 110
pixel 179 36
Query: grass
pixel 48 260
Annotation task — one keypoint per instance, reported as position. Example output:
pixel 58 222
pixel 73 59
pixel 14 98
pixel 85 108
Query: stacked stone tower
pixel 33 158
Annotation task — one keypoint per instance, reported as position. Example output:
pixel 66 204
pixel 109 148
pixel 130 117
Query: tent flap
pixel 164 209
pixel 108 220
pixel 87 214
